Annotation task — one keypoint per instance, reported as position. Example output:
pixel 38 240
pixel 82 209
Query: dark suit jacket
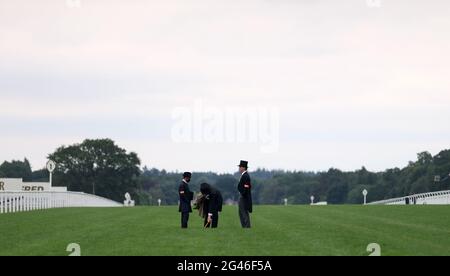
pixel 186 197
pixel 245 189
pixel 213 202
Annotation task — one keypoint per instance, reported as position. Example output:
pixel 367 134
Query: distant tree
pixel 421 185
pixel 355 196
pixel 227 184
pixel 40 175
pixel 97 164
pixel 271 193
pixel 16 169
pixel 299 198
pixel 337 193
pixel 424 158
pixel 366 177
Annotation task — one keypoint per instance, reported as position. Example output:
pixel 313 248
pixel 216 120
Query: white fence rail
pixel 11 202
pixel 432 198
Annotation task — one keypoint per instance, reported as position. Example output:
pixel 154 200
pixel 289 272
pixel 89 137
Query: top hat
pixel 243 164
pixel 187 174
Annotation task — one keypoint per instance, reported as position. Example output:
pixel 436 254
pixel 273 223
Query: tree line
pixel 102 167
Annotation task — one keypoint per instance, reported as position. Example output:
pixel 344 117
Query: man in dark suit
pixel 212 205
pixel 213 202
pixel 186 197
pixel 245 190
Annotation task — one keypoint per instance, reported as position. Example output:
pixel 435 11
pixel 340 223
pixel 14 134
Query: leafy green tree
pixel 424 158
pixel 272 193
pixel 97 166
pixel 420 186
pixel 16 169
pixel 40 175
pixel 355 196
pixel 227 184
pixel 337 194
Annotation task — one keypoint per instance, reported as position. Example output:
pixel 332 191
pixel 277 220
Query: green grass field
pixel 277 230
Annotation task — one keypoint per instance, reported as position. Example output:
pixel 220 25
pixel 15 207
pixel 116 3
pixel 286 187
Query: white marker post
pixel 365 196
pixel 51 166
pixel 128 202
pixel 312 200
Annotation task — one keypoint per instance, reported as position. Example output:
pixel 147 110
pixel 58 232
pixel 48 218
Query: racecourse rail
pixel 12 202
pixel 431 198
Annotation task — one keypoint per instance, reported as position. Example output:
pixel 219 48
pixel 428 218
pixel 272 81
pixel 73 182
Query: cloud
pixel 338 71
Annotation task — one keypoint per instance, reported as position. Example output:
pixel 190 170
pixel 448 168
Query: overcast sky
pixel 355 82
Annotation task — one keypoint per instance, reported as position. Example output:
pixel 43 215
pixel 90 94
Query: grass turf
pixel 277 230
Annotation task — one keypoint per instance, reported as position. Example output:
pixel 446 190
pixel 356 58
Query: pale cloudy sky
pixel 354 84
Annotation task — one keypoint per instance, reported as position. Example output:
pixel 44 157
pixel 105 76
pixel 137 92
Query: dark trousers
pixel 184 219
pixel 215 220
pixel 244 215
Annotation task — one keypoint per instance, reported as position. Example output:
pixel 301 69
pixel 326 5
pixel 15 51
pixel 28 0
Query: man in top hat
pixel 245 201
pixel 186 197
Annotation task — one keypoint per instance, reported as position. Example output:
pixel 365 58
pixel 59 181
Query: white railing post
pixel 14 203
pixel 11 202
pixel 1 203
pixel 436 198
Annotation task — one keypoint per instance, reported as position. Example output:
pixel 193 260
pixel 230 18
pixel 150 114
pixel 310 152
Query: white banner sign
pixel 17 185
